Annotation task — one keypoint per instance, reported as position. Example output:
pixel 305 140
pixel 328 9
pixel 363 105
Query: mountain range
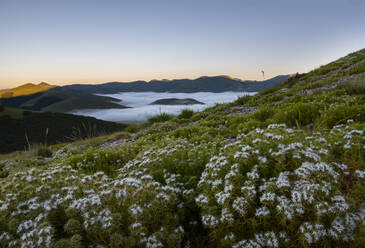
pixel 46 97
pixel 202 84
pixel 58 101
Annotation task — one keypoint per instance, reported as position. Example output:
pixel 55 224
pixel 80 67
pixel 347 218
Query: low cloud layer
pixel 141 110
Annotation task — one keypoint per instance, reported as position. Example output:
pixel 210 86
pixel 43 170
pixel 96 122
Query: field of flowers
pixel 289 174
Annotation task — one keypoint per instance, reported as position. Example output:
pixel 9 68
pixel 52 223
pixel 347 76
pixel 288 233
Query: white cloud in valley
pixel 141 109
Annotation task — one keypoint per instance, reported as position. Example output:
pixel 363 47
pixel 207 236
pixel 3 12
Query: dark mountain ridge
pixel 60 101
pixel 202 84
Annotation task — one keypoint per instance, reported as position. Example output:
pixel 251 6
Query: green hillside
pixel 23 129
pixel 25 89
pixel 283 168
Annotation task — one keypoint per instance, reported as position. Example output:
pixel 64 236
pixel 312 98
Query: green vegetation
pixel 21 130
pixel 133 128
pixel 283 168
pixel 160 118
pixel 186 114
pixel 44 152
pixel 12 112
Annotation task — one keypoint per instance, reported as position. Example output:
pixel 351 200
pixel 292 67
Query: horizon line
pixel 153 80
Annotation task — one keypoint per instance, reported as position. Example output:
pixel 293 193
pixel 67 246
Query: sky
pixel 67 42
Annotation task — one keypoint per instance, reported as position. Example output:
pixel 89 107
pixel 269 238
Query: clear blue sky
pixel 63 42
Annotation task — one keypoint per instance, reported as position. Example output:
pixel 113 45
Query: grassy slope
pixel 20 129
pixel 227 176
pixel 25 89
pixel 12 112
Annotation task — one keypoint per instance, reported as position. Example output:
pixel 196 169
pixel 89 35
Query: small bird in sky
pixel 263 74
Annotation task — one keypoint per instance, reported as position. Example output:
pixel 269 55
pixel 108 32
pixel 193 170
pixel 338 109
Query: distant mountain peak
pixel 25 89
pixel 232 78
pixel 44 84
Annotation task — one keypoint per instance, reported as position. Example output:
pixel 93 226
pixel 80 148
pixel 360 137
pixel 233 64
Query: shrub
pixel 340 114
pixel 187 132
pixel 116 240
pixel 132 128
pixel 62 243
pixel 242 100
pixel 298 114
pixel 3 172
pixel 273 188
pixel 186 114
pixel 76 241
pixel 100 160
pixel 354 87
pixel 357 69
pixel 73 226
pixel 160 118
pixel 44 152
pixel 263 113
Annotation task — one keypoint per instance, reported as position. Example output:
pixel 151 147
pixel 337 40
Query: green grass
pixel 186 114
pixel 356 86
pixel 292 173
pixel 13 113
pixel 160 118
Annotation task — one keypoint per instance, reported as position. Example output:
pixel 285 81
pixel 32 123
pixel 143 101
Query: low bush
pixel 160 118
pixel 298 114
pixel 3 172
pixel 132 128
pixel 186 114
pixel 242 100
pixel 44 151
pixel 356 87
pixel 100 160
pixel 340 114
pixel 263 113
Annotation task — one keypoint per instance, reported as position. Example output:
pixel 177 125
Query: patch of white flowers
pixel 270 187
pixel 275 197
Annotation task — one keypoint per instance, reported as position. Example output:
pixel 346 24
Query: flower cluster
pixel 271 187
pixel 268 191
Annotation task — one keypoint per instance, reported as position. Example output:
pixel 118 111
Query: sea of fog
pixel 140 109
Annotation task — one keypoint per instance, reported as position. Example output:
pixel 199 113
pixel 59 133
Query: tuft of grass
pixel 133 128
pixel 355 87
pixel 3 172
pixel 44 151
pixel 263 113
pixel 298 114
pixel 340 114
pixel 186 114
pixel 160 118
